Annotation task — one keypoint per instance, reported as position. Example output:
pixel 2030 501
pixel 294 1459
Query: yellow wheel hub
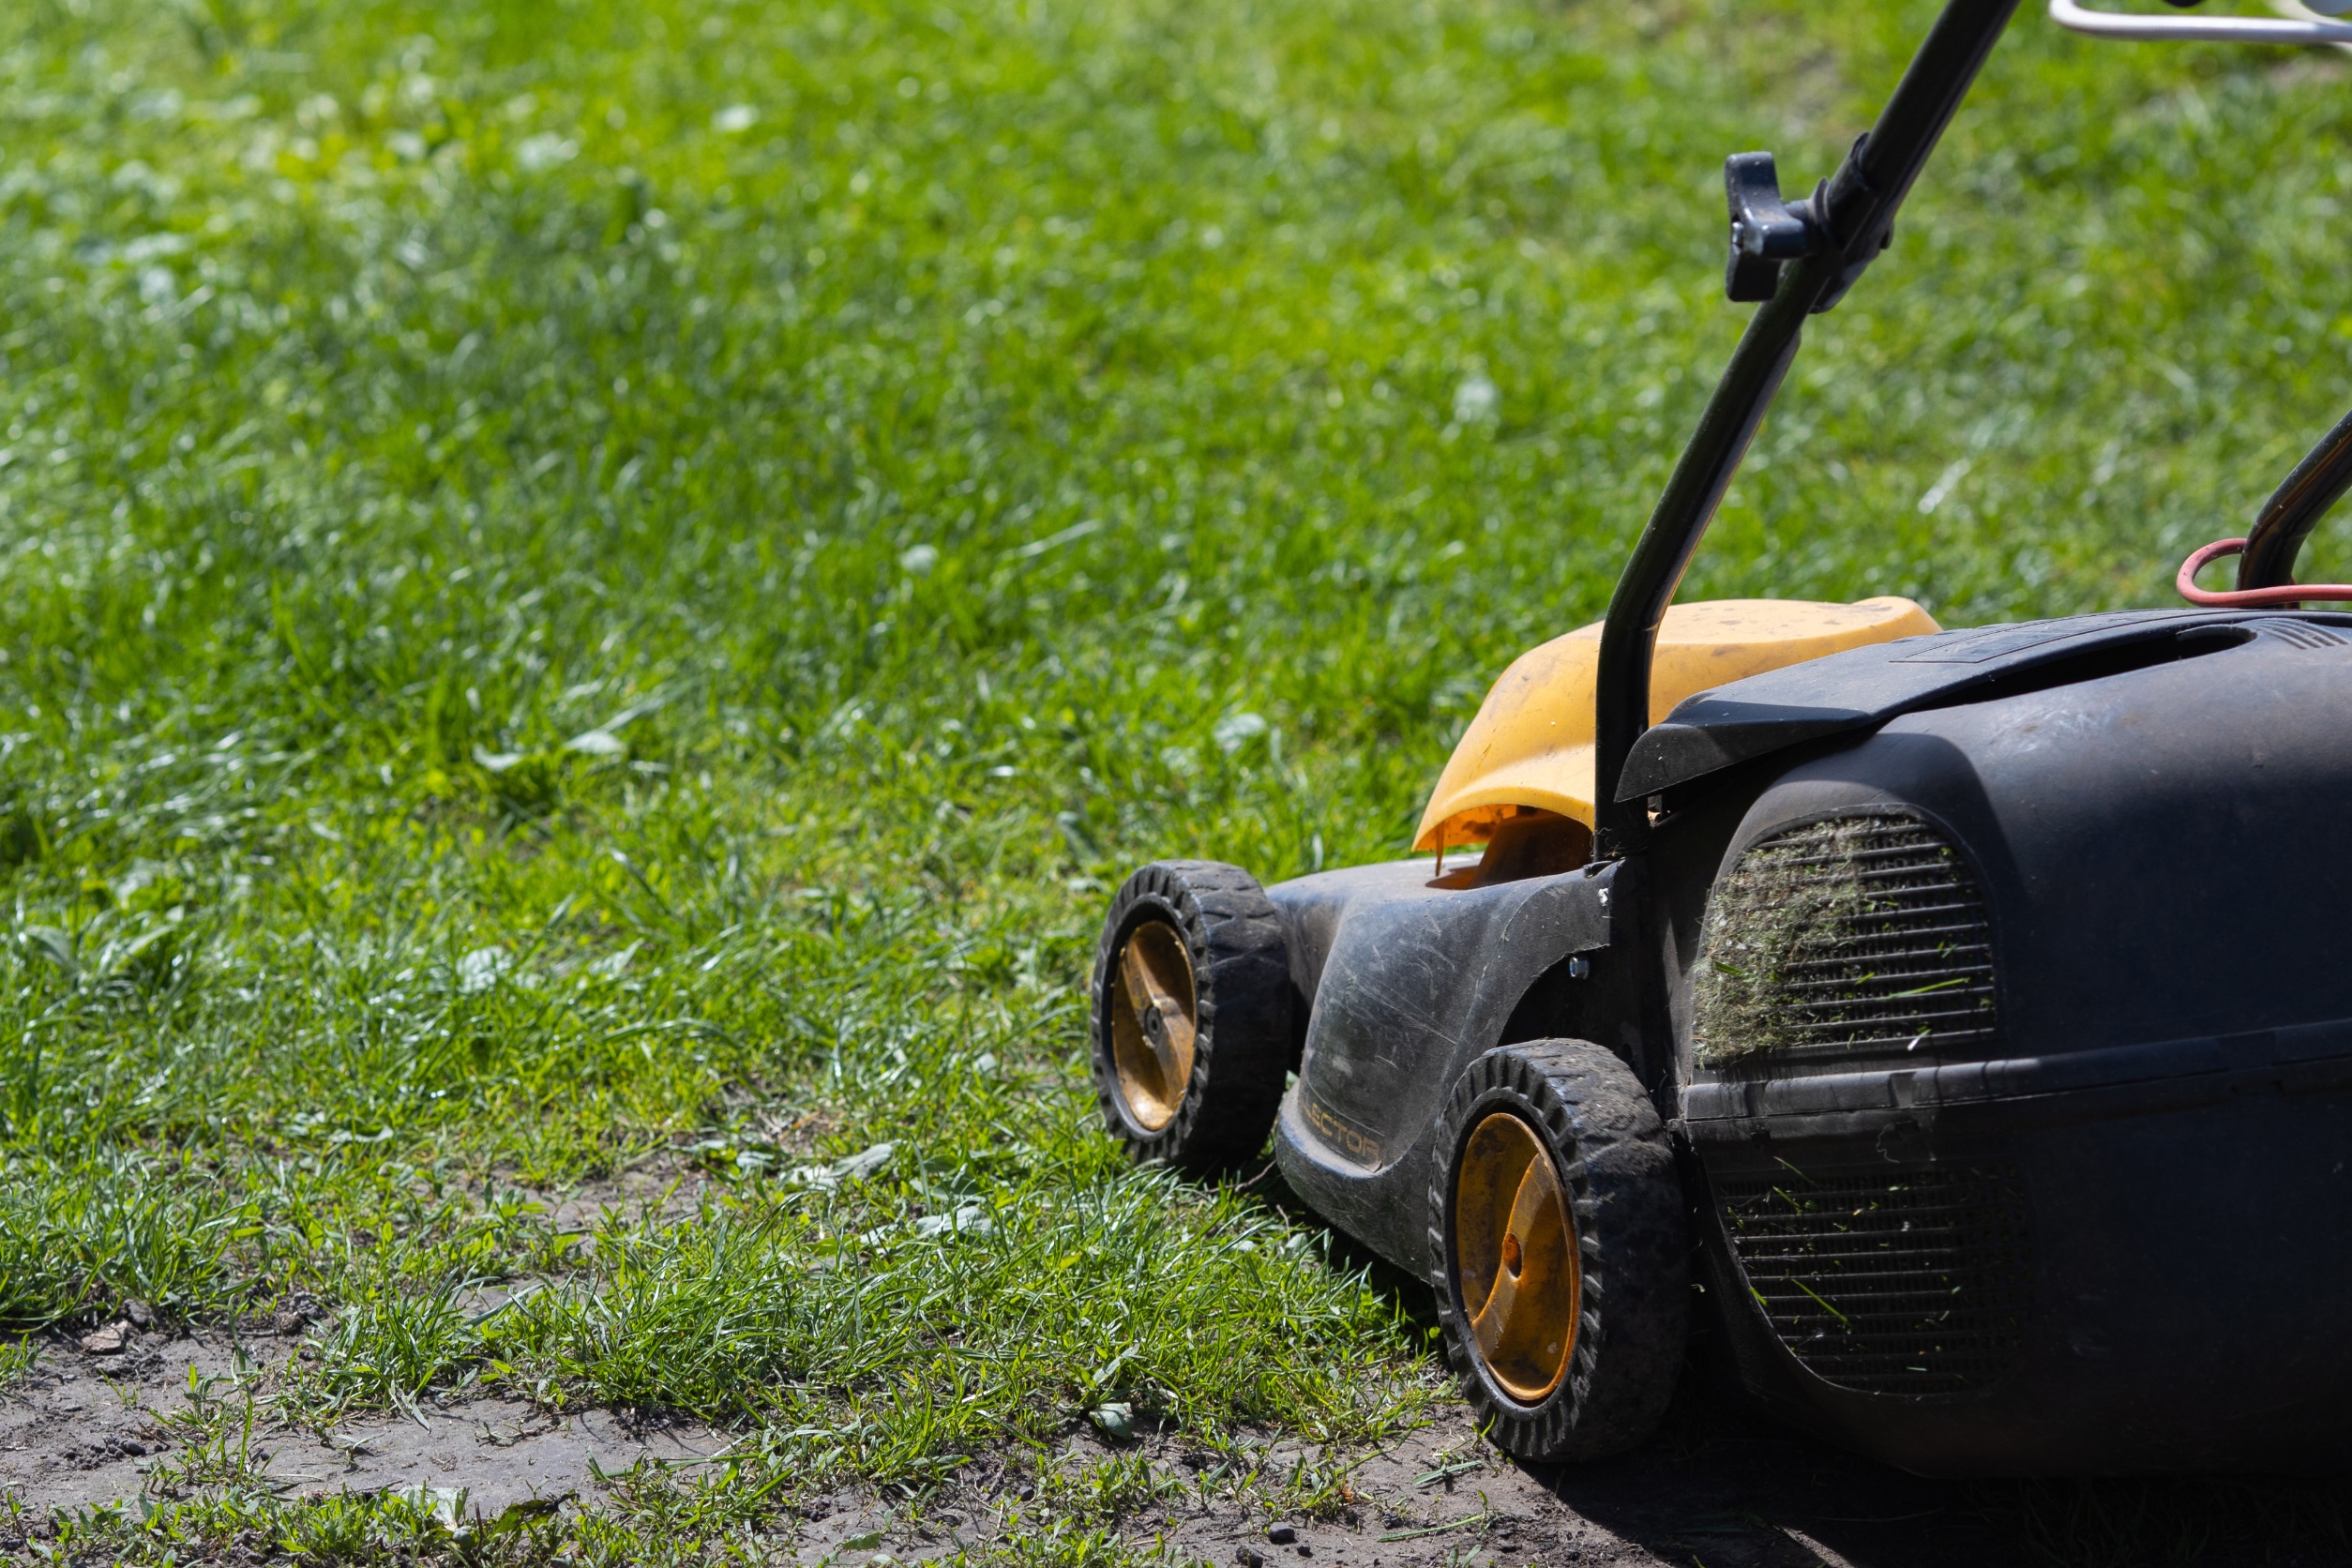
pixel 1153 1023
pixel 1515 1257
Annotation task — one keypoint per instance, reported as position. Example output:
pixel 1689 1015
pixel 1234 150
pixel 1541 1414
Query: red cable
pixel 2287 597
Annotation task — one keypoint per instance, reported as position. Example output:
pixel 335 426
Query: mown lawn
pixel 603 588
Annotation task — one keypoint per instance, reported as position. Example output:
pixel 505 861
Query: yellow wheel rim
pixel 1153 1023
pixel 1515 1258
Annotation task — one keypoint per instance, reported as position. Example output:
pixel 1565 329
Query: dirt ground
pixel 1743 1504
pixel 1715 1488
pixel 80 1430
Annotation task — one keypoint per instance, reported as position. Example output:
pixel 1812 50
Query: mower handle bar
pixel 1799 258
pixel 2266 566
pixel 2214 29
pixel 1831 238
pixel 1846 224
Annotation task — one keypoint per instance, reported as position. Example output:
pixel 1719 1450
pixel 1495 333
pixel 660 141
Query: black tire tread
pixel 1241 976
pixel 1634 1242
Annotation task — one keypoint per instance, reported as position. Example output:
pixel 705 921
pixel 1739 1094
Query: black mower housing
pixel 2107 1226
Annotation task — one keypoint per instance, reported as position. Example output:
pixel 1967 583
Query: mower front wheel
pixel 1191 1015
pixel 1558 1250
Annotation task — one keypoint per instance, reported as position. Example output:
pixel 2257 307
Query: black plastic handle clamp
pixel 1766 232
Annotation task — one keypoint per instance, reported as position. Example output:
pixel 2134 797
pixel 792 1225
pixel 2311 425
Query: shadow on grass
pixel 1721 1482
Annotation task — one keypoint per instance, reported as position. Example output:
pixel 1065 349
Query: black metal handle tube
pixel 1925 101
pixel 1630 634
pixel 1860 203
pixel 2317 483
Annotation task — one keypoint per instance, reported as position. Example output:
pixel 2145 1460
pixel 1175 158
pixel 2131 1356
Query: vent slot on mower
pixel 1857 936
pixel 1913 1283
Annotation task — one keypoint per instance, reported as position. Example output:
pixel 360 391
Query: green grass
pixel 600 588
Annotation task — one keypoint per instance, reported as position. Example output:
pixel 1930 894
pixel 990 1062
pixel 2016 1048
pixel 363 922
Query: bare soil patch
pixel 662 1188
pixel 1718 1496
pixel 80 1430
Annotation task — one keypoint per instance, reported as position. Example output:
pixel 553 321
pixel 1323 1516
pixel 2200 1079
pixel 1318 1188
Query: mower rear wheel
pixel 1558 1250
pixel 1191 1015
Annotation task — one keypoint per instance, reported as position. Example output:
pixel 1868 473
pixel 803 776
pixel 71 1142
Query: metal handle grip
pixel 2210 29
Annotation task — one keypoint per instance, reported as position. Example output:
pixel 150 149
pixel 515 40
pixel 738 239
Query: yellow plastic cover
pixel 1531 745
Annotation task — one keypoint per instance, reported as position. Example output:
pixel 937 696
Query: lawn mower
pixel 1949 1030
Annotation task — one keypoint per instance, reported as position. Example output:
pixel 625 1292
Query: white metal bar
pixel 2214 29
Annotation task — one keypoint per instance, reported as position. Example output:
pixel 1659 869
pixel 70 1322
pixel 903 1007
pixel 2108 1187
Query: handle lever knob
pixel 1766 232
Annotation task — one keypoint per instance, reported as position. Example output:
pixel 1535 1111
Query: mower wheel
pixel 1191 1015
pixel 1558 1250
